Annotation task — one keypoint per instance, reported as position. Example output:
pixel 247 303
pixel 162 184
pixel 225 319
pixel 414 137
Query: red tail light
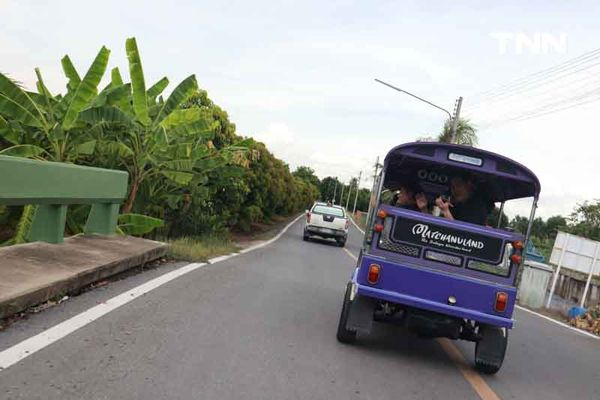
pixel 516 259
pixel 307 218
pixel 501 302
pixel 374 271
pixel 378 228
pixel 347 224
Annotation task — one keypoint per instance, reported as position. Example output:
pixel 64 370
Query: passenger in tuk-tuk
pixel 465 203
pixel 410 197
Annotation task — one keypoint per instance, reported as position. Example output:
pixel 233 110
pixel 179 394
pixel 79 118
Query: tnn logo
pixel 537 43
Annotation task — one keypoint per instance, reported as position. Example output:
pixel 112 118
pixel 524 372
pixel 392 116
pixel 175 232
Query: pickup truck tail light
pixel 347 223
pixel 308 218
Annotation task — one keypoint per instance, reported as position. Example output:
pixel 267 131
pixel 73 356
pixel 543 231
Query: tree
pixel 585 220
pixel 307 174
pixel 554 224
pixel 466 133
pixel 40 125
pixel 328 187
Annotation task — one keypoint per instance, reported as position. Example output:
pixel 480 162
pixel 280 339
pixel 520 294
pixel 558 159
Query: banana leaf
pixel 138 224
pixel 157 89
pixel 106 114
pixel 87 88
pixel 181 93
pixel 179 177
pixel 23 150
pixel 138 85
pixel 16 103
pixel 70 73
pixel 7 133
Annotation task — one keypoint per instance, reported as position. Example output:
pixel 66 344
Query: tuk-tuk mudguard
pixel 427 289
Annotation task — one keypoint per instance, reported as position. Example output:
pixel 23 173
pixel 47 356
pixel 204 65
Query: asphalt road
pixel 262 326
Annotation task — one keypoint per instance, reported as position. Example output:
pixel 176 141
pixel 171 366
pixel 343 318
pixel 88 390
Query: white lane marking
pixel 527 310
pixel 221 258
pixel 357 227
pixel 29 346
pixel 350 254
pixel 268 242
pixel 559 323
pixel 35 343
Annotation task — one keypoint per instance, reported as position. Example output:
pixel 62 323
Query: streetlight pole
pixel 453 118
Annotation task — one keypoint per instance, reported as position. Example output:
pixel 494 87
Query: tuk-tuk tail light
pixel 373 275
pixel 516 258
pixel 501 302
pixel 518 245
pixel 382 214
pixel 378 228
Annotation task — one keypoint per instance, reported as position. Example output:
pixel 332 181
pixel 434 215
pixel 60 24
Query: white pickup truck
pixel 327 221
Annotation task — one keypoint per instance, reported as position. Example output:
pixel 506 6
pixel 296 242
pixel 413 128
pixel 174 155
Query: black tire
pixel 345 335
pixel 490 349
pixel 306 237
pixel 341 243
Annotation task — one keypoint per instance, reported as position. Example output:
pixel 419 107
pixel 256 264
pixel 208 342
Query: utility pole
pixel 349 192
pixel 377 165
pixel 342 195
pixel 357 190
pixel 334 190
pixel 455 118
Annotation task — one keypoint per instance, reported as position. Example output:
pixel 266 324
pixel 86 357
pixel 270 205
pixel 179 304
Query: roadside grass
pixel 361 219
pixel 201 248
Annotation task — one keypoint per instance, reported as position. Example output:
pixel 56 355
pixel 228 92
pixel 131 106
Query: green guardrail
pixel 54 186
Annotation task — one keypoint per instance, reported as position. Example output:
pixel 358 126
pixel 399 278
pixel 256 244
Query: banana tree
pixel 40 125
pixel 157 140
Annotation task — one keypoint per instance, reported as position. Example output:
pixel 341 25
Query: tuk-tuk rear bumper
pixel 427 289
pixel 428 305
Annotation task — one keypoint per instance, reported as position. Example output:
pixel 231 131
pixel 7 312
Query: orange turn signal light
pixel 517 244
pixel 516 259
pixel 378 228
pixel 501 301
pixel 382 214
pixel 373 275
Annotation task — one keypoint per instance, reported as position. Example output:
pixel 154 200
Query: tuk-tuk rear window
pixel 336 212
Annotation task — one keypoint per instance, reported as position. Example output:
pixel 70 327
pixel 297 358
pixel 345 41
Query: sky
pixel 299 76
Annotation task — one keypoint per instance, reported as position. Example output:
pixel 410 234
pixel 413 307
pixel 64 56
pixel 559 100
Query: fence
pixel 54 186
pixel 578 254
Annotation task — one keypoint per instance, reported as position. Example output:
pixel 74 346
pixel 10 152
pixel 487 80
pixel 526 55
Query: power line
pixel 533 85
pixel 548 71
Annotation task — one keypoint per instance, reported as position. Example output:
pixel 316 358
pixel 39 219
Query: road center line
pixel 29 346
pixel 475 380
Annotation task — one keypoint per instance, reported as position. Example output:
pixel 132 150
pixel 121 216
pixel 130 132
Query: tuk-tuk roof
pixel 511 180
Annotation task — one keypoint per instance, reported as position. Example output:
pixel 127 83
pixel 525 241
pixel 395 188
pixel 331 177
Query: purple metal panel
pixel 427 289
pixel 491 161
pixel 463 226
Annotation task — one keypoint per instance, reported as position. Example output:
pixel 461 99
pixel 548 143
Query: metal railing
pixel 52 187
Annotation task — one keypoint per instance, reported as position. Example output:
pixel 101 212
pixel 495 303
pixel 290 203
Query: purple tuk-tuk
pixel 437 276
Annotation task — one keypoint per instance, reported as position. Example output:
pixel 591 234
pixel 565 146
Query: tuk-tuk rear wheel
pixel 490 349
pixel 345 335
